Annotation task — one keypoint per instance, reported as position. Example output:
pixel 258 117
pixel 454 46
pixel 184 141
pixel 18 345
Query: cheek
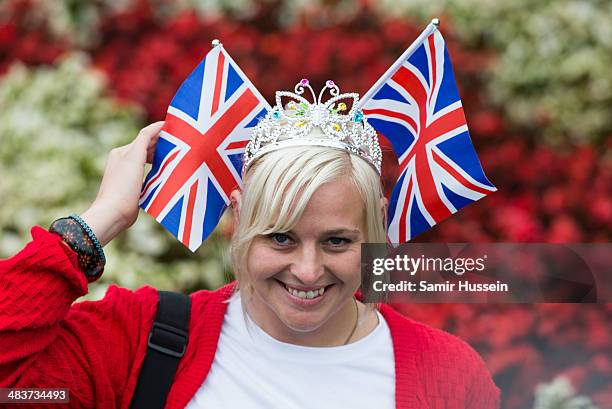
pixel 263 262
pixel 345 266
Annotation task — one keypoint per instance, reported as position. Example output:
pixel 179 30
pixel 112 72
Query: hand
pixel 116 205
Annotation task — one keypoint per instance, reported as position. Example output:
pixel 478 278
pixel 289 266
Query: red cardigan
pixel 97 348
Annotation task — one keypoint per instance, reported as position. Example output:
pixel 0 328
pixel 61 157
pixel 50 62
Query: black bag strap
pixel 165 346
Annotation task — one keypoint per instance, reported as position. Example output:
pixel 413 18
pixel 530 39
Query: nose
pixel 308 266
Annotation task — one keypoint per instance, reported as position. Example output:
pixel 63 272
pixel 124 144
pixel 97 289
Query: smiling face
pixel 304 279
pixel 300 219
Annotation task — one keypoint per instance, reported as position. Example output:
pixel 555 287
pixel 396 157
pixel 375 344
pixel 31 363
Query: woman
pixel 290 333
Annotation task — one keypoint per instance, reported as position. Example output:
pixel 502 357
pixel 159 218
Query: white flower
pixel 559 394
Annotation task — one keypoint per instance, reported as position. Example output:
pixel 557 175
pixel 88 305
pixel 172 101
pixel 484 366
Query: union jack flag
pixel 418 109
pixel 198 158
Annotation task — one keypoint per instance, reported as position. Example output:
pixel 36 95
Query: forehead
pixel 334 205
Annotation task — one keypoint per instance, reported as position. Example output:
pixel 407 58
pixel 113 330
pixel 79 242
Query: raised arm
pixel 93 348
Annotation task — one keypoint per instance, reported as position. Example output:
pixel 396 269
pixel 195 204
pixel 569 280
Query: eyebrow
pixel 340 231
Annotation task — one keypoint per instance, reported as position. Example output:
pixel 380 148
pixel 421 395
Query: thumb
pixel 145 142
pixel 147 135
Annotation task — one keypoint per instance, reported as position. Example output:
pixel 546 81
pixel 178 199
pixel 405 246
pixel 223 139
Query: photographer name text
pixel 412 265
pixel 447 286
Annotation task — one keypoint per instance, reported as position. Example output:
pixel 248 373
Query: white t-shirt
pixel 257 371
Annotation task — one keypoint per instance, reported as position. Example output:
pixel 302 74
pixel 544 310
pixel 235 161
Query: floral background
pixel 80 77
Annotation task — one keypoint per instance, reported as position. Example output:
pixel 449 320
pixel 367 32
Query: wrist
pixel 104 223
pixel 79 237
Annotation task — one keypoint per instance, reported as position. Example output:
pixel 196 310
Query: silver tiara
pixel 291 125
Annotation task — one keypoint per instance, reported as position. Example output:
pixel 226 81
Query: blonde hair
pixel 279 185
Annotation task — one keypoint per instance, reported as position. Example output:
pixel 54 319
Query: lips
pixel 305 293
pixel 310 294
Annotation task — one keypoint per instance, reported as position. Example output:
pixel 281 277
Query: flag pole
pixel 216 43
pixel 431 27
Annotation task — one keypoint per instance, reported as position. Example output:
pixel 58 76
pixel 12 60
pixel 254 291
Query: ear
pixel 384 205
pixel 235 202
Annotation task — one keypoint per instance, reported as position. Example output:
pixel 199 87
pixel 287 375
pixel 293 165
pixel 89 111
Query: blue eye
pixel 280 238
pixel 338 241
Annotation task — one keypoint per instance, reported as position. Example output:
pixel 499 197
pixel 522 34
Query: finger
pixel 153 140
pixel 148 135
pixel 150 154
pixel 154 125
pixel 150 130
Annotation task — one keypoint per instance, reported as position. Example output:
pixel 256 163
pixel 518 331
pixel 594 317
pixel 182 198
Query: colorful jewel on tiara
pixel 291 125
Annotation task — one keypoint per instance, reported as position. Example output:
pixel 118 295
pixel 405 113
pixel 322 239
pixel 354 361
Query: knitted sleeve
pixel 462 378
pixel 436 369
pixel 483 393
pixel 93 348
pixel 453 372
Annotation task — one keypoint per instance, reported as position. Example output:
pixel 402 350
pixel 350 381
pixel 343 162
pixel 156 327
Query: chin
pixel 301 321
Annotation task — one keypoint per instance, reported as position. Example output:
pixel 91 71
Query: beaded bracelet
pixel 91 235
pixel 81 239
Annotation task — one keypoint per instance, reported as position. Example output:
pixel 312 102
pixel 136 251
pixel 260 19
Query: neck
pixel 333 332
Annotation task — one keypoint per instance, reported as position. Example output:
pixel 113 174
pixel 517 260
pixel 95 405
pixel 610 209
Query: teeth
pixel 308 295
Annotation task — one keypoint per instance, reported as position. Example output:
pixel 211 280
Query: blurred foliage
pixel 552 71
pixel 527 344
pixel 57 127
pixel 80 21
pixel 550 74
